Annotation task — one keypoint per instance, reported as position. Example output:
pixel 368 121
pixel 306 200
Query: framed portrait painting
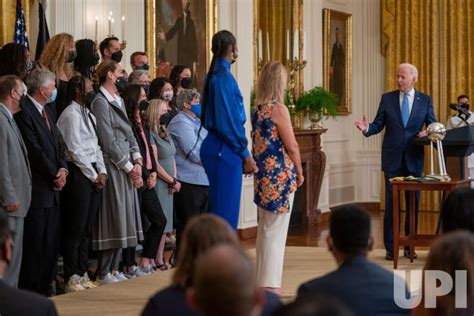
pixel 179 32
pixel 337 57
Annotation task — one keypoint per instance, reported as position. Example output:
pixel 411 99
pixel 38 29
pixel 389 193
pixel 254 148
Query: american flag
pixel 20 37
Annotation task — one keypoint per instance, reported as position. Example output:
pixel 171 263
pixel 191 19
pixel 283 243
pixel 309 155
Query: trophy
pixel 436 132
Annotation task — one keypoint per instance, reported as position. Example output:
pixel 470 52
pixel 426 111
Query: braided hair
pixel 75 87
pixel 220 43
pixel 87 57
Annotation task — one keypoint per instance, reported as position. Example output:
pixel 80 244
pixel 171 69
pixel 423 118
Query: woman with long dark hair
pixel 87 58
pixel 14 60
pixel 224 152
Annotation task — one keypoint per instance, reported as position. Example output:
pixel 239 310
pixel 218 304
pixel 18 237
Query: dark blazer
pixel 45 153
pixel 172 301
pixel 364 287
pixel 398 140
pixel 19 302
pixel 141 145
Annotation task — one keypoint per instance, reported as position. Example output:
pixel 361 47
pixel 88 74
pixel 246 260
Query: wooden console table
pixel 314 164
pixel 413 239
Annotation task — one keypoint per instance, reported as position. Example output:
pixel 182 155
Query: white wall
pixel 353 161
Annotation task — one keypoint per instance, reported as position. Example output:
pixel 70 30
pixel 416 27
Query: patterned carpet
pixel 129 297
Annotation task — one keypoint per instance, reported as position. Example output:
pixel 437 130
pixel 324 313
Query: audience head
pixel 132 95
pixel 14 60
pixel 271 84
pixel 11 91
pixel 42 85
pixel 463 99
pixel 320 305
pixel 457 211
pixel 450 253
pixel 111 73
pixel 80 89
pixel 5 242
pixel 110 49
pixel 155 116
pixel 161 88
pixel 139 61
pixel 349 232
pixel 224 45
pixel 225 283
pixel 180 77
pixel 87 57
pixel 188 101
pixel 201 233
pixel 58 55
pixel 142 78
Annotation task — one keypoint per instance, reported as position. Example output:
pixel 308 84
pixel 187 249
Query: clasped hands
pixel 60 180
pixel 136 176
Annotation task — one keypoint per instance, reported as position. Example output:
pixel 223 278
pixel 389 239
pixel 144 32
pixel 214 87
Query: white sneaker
pixel 119 276
pixel 108 279
pixel 136 272
pixel 74 284
pixel 147 270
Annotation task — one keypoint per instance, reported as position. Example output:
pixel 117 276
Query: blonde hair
pixel 152 116
pixel 55 53
pixel 271 84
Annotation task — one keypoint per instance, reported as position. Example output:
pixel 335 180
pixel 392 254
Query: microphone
pixel 454 106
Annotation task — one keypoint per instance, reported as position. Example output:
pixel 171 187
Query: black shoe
pixel 406 254
pixel 389 255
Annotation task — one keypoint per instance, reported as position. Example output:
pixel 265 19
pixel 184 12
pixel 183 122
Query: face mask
pixel 95 59
pixel 168 96
pixel 143 106
pixel 465 106
pixel 235 55
pixel 186 82
pixel 196 109
pixel 121 84
pixel 143 67
pixel 53 96
pixel 166 118
pixel 146 87
pixel 72 55
pixel 90 96
pixel 117 56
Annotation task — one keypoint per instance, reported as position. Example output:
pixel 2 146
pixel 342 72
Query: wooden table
pixel 413 239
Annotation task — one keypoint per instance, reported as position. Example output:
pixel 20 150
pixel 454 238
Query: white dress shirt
pixel 411 99
pixel 80 139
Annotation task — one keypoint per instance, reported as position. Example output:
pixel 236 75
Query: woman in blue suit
pixel 224 152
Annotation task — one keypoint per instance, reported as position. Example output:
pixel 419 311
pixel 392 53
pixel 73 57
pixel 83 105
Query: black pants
pixel 150 206
pixel 40 249
pixel 190 201
pixel 80 203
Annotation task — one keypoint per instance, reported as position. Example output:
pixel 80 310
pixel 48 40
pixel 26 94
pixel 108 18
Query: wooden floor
pixel 306 257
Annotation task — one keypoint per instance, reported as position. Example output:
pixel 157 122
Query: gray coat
pixel 15 173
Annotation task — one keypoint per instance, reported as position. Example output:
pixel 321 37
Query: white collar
pixel 410 93
pixel 110 98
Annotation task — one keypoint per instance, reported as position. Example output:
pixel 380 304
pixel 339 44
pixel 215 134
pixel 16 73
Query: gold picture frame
pixel 337 57
pixel 204 32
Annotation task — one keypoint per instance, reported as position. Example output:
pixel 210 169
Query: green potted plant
pixel 317 102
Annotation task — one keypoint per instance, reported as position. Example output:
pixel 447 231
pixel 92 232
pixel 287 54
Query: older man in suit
pixel 366 288
pixel 49 171
pixel 15 175
pixel 403 113
pixel 14 301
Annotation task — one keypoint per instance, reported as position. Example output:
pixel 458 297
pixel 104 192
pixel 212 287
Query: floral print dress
pixel 276 177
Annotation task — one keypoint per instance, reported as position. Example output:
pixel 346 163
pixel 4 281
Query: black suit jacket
pixel 19 302
pixel 364 287
pixel 45 153
pixel 141 144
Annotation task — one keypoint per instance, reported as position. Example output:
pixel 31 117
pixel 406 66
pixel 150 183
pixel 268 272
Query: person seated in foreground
pixel 14 301
pixel 364 287
pixel 201 233
pixel 225 283
pixel 321 305
pixel 457 211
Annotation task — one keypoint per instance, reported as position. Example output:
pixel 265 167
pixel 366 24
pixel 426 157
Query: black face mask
pixel 146 87
pixel 465 106
pixel 143 106
pixel 117 56
pixel 89 97
pixel 72 55
pixel 186 82
pixel 143 67
pixel 121 84
pixel 166 118
pixel 95 59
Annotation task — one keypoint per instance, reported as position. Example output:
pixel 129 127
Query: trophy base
pixel 442 178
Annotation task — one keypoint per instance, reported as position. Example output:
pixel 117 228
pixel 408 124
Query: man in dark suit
pixel 403 113
pixel 185 28
pixel 364 287
pixel 13 301
pixel 49 171
pixel 15 174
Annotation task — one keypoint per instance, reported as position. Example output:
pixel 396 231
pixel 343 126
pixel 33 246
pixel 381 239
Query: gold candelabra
pixel 294 65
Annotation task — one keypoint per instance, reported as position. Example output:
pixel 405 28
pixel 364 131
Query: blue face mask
pixel 53 96
pixel 196 109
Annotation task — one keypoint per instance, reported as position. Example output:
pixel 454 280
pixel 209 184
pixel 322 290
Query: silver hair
pixel 413 69
pixel 186 96
pixel 134 77
pixel 39 78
